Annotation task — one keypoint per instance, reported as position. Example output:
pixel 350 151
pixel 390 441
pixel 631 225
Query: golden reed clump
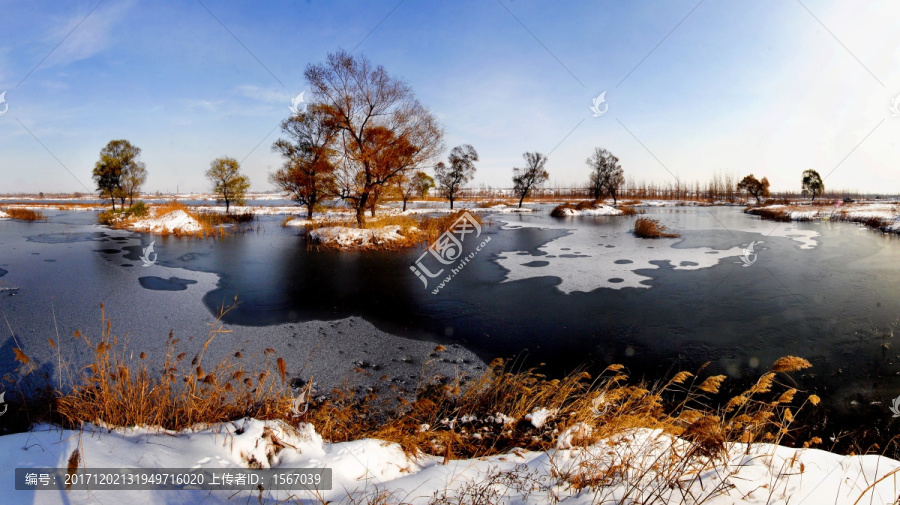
pixel 462 417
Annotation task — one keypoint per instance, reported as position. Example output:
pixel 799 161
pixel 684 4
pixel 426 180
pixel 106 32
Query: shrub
pixel 782 214
pixel 486 204
pixel 139 209
pixel 109 217
pixel 628 210
pixel 651 228
pixel 219 218
pixel 560 210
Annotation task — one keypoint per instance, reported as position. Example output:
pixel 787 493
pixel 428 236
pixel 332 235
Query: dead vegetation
pixel 415 229
pixel 23 214
pixel 212 224
pixel 462 417
pixel 818 210
pixel 120 387
pixel 559 210
pixel 500 411
pixel 651 228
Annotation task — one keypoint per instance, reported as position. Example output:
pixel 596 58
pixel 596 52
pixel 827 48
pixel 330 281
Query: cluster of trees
pixel 363 136
pixel 607 175
pixel 119 175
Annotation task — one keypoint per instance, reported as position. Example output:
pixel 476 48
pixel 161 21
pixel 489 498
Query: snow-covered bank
pixel 593 210
pixel 346 237
pixel 177 221
pixel 3 215
pixel 885 217
pixel 638 466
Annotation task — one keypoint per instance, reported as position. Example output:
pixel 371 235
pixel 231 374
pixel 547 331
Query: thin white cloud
pixel 83 37
pixel 267 95
pixel 205 105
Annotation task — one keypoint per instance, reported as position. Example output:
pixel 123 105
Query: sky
pixel 692 88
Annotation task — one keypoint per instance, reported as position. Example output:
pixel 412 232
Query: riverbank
pixel 884 217
pixel 578 439
pixel 623 468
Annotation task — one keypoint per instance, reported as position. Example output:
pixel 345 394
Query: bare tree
pixel 607 175
pixel 308 172
pixel 459 170
pixel 382 129
pixel 533 175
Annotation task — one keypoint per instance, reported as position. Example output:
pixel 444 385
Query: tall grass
pixel 121 388
pixel 645 227
pixel 458 418
pixel 24 214
pixel 464 417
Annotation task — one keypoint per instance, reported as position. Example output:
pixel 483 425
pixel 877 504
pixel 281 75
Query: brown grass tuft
pixel 711 384
pixel 24 214
pixel 121 389
pixel 628 210
pixel 645 227
pixel 72 466
pixel 790 364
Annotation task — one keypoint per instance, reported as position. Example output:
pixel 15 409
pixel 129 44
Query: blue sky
pixel 771 87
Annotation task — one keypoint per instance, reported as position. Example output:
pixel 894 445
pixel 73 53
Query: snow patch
pixel 343 236
pixel 540 416
pixel 597 210
pixel 175 221
pixel 367 467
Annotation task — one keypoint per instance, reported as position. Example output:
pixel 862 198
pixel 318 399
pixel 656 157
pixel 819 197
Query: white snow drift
pixel 760 474
pixel 175 221
pixel 345 237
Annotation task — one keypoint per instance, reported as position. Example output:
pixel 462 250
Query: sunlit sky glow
pixel 771 87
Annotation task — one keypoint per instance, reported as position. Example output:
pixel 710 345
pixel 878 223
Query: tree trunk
pixel 404 203
pixel 227 205
pixel 114 203
pixel 520 200
pixel 361 210
pixel 613 193
pixel 451 203
pixel 309 211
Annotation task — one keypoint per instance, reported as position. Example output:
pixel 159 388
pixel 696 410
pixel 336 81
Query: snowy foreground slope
pixel 364 469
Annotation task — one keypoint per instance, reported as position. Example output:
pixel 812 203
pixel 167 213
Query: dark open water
pixel 566 293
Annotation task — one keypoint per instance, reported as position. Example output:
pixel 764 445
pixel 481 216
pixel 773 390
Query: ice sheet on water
pixel 613 262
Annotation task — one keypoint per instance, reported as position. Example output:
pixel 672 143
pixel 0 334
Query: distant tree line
pixel 119 175
pixel 365 136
